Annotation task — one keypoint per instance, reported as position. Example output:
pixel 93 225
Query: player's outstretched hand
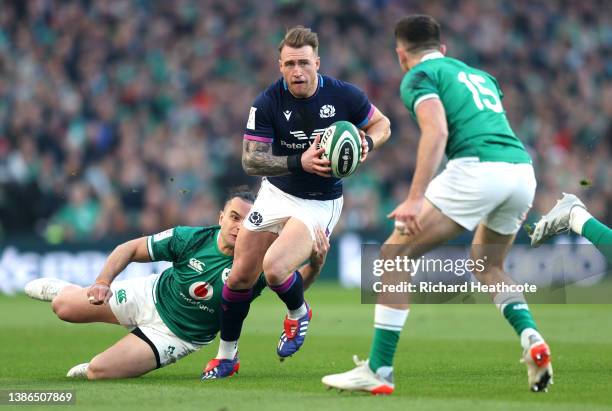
pixel 312 161
pixel 406 215
pixel 99 294
pixel 319 248
pixel 364 146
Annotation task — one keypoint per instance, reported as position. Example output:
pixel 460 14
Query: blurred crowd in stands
pixel 122 118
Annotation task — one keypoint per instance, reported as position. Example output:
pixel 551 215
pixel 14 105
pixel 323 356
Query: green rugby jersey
pixel 477 123
pixel 188 295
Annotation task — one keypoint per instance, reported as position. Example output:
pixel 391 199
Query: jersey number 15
pixel 483 96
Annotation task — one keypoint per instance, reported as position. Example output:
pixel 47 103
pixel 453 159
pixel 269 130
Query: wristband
pixel 294 163
pixel 102 282
pixel 370 143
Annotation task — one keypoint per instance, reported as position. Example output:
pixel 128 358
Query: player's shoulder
pixel 442 67
pixel 456 66
pixel 271 94
pixel 415 78
pixel 208 231
pixel 439 63
pixel 334 85
pixel 431 69
pixel 415 74
pixel 195 233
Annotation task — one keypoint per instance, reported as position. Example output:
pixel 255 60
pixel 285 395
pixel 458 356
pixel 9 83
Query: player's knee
pixel 275 278
pixel 96 370
pixel 238 283
pixel 62 308
pixel 243 275
pixel 275 271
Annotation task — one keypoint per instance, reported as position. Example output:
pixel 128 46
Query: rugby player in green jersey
pixel 487 185
pixel 171 314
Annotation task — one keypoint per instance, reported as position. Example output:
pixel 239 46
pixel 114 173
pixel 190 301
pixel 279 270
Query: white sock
pixel 529 336
pixel 388 318
pixel 578 217
pixel 227 350
pixel 501 300
pixel 297 314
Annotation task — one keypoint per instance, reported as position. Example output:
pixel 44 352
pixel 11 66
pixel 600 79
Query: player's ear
pixel 443 49
pixel 220 216
pixel 317 63
pixel 280 65
pixel 401 54
pixel 403 57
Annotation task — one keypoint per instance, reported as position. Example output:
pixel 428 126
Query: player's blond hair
pixel 300 36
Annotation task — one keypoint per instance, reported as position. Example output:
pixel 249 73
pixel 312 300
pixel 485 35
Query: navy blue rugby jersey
pixel 290 124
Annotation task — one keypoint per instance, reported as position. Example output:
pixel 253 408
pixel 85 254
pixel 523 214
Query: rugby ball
pixel 342 146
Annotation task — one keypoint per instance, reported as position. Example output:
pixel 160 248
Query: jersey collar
pixel 432 55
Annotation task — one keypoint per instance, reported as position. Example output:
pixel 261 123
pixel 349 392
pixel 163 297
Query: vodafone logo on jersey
pixel 201 290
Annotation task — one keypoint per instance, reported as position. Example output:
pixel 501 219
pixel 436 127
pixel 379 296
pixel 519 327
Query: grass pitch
pixel 455 357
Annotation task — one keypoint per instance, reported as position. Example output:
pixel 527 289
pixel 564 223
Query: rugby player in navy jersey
pixel 297 192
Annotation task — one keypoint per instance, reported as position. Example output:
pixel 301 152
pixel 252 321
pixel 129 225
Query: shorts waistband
pixel 464 160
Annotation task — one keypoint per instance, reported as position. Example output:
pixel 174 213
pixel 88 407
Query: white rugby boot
pixel 44 289
pixel 556 220
pixel 362 378
pixel 78 371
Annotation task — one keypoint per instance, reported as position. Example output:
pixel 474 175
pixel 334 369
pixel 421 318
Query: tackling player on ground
pixel 487 185
pixel 297 193
pixel 171 314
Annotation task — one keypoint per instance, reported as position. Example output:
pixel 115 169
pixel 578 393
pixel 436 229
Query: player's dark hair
pixel 243 192
pixel 418 32
pixel 300 36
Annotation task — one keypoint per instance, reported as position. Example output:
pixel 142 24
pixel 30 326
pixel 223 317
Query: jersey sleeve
pixel 361 110
pixel 416 87
pixel 260 123
pixel 168 245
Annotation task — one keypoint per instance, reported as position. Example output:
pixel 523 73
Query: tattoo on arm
pixel 258 160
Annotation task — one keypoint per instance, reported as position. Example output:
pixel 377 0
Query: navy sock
pixel 291 291
pixel 235 306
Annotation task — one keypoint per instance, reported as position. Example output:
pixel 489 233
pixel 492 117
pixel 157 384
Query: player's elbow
pixel 443 136
pixel 436 135
pixel 126 250
pixel 246 166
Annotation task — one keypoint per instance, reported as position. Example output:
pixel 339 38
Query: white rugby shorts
pixel 133 305
pixel 497 194
pixel 273 207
